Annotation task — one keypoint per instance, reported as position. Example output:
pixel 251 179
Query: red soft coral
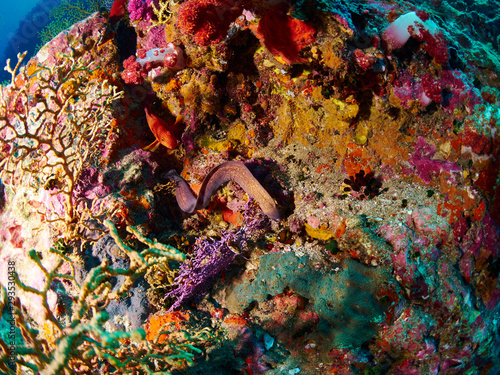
pixel 432 88
pixel 286 44
pixel 434 43
pixel 133 73
pixel 208 20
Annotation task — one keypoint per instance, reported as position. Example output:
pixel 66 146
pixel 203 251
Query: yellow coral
pixel 318 233
pixel 237 132
pixel 207 141
pixel 326 124
pixel 163 12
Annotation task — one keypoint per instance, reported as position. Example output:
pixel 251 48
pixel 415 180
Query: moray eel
pixel 231 170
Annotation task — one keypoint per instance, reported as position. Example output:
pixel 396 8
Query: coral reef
pixel 67 13
pixel 211 257
pixel 285 45
pixel 334 207
pixel 207 21
pixel 345 301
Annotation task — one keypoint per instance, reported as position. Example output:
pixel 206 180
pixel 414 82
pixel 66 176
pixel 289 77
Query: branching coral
pixel 51 129
pixel 163 11
pixel 83 345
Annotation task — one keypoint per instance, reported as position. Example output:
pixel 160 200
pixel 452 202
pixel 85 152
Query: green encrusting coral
pixel 346 301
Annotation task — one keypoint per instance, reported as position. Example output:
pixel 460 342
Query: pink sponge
pixel 397 33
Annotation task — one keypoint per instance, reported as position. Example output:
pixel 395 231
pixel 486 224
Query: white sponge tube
pixel 397 34
pixel 174 55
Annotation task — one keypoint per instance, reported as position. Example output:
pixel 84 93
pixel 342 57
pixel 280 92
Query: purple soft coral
pixel 211 257
pixel 141 9
pixel 425 165
pixel 196 274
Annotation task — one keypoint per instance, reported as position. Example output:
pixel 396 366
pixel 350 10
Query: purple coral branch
pixel 211 257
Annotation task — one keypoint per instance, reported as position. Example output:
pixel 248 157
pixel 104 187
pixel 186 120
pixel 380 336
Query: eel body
pixel 231 170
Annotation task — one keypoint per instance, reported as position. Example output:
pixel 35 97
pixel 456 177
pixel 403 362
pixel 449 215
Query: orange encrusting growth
pixel 158 323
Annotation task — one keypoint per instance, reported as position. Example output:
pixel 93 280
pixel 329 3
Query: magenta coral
pixel 91 185
pixel 429 88
pixel 408 90
pixel 404 89
pixel 211 257
pixel 425 165
pixel 432 88
pixel 154 38
pixel 461 90
pixel 196 275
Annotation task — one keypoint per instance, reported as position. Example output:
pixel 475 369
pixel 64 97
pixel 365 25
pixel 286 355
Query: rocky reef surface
pixel 373 128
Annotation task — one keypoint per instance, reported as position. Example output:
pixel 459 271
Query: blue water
pixel 12 14
pixel 20 23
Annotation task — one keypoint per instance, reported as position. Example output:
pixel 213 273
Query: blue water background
pixel 20 23
pixel 10 17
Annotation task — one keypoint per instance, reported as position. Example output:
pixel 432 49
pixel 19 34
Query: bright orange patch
pixel 232 217
pixel 285 45
pixel 158 323
pixel 136 200
pixel 322 167
pixel 339 232
pixel 236 320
